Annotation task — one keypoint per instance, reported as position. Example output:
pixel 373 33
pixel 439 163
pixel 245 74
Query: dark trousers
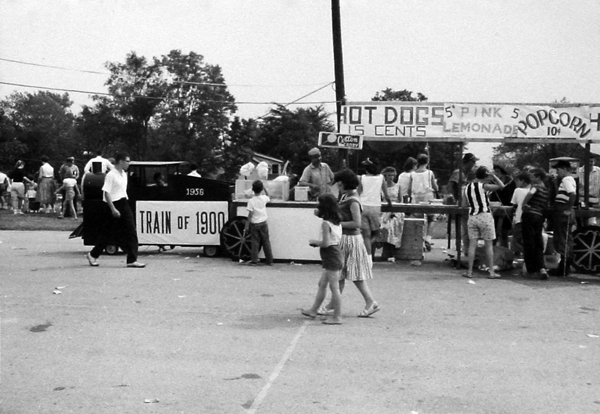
pixel 562 235
pixel 121 230
pixel 532 226
pixel 259 236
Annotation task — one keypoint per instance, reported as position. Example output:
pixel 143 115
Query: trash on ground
pixel 593 336
pixel 471 282
pixel 57 292
pixel 151 400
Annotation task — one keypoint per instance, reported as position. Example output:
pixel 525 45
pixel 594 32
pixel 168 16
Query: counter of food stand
pixel 292 224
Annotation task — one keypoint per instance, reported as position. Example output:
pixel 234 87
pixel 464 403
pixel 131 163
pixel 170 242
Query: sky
pixel 516 51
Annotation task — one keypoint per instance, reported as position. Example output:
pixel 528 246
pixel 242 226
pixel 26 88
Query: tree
pixel 238 145
pixel 40 124
pixel 389 94
pixel 11 149
pixel 289 135
pixel 175 107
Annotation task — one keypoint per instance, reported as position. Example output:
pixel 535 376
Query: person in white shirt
pixel 46 186
pixel 105 165
pixel 371 187
pixel 257 223
pixel 194 171
pixel 594 187
pixel 523 182
pixel 121 225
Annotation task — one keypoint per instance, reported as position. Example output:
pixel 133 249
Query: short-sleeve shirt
pixel 69 182
pixel 258 206
pixel 321 176
pixel 517 199
pixel 65 168
pixel 46 171
pixel 115 184
pixel 567 186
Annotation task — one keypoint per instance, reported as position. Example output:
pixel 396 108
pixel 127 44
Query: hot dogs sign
pixel 391 120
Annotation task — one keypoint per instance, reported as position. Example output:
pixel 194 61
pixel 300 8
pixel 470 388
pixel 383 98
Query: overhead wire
pixel 141 78
pixel 163 97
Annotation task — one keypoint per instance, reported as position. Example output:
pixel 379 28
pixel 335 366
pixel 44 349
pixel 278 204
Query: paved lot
pixel 190 334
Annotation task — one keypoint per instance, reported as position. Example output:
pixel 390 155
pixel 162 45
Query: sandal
pixel 494 276
pixel 427 246
pixel 365 313
pixel 468 275
pixel 308 315
pixel 323 311
pixel 331 322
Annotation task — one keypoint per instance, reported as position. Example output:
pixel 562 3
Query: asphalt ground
pixel 190 334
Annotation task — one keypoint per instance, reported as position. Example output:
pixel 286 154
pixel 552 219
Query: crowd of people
pixel 534 203
pixel 47 190
pixel 352 222
pixel 540 203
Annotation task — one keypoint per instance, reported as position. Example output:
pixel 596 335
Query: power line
pixel 21 62
pixel 161 98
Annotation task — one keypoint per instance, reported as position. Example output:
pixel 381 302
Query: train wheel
pixel 211 251
pixel 234 239
pixel 111 249
pixel 586 249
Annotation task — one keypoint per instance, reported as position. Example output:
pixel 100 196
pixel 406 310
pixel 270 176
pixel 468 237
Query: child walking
pixel 257 223
pixel 71 190
pixel 331 256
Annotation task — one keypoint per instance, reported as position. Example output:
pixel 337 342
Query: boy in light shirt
pixel 257 223
pixel 523 182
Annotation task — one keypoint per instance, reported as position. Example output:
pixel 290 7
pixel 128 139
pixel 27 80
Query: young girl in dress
pixel 357 267
pixel 331 256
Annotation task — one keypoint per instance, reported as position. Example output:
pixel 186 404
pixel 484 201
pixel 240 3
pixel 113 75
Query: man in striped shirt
pixel 563 217
pixel 480 223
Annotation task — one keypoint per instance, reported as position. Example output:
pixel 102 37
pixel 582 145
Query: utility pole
pixel 338 62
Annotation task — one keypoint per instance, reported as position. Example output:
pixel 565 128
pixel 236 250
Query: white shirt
pixel 517 199
pixel 46 171
pixel 335 233
pixel 194 174
pixel 371 190
pixel 106 164
pixel 69 182
pixel 594 181
pixel 258 206
pixel 115 184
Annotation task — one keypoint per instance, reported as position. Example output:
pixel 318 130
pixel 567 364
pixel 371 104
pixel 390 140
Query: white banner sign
pixel 392 119
pixel 480 121
pixel 388 120
pixel 180 222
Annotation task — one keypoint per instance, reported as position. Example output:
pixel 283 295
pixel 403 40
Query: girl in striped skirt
pixel 356 267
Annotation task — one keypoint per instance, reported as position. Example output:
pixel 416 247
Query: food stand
pixel 462 123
